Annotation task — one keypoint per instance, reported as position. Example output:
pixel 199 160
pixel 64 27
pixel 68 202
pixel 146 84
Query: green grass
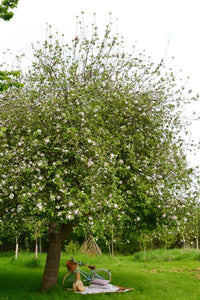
pixel 174 276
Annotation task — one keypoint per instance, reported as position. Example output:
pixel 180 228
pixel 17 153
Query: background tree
pixel 92 137
pixel 35 229
pixel 8 78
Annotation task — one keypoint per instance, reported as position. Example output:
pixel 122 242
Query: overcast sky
pixel 154 24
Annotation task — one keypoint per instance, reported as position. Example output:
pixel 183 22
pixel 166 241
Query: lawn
pixel 174 276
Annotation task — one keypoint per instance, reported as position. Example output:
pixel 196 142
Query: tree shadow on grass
pixel 24 284
pixel 17 282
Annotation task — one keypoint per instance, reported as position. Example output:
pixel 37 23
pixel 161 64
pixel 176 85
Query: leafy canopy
pixel 8 78
pixel 93 136
pixel 5 13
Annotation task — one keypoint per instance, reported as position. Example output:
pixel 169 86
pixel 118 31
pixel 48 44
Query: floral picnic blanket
pixel 108 288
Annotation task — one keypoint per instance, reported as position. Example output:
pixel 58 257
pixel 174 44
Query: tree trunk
pixel 112 244
pixel 145 257
pixel 56 240
pixel 36 245
pixel 109 249
pixel 16 248
pixel 165 247
pixel 40 244
pixel 36 251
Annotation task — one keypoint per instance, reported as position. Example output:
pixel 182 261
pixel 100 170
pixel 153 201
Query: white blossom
pixel 47 140
pixel 39 205
pixel 90 163
pixel 19 208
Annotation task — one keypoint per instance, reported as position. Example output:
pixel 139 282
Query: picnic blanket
pixel 108 288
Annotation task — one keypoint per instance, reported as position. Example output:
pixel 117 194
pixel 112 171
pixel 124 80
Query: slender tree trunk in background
pixel 40 245
pixel 112 249
pixel 56 240
pixel 109 250
pixel 145 257
pixel 36 250
pixel 165 247
pixel 36 245
pixel 112 244
pixel 16 248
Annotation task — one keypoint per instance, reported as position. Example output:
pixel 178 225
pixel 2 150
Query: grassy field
pixel 174 276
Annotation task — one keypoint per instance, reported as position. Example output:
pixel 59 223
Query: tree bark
pixel 36 245
pixel 56 240
pixel 16 248
pixel 40 244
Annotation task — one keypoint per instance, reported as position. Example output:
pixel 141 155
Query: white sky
pixel 152 23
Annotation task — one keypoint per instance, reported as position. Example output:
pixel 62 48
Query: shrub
pixel 72 247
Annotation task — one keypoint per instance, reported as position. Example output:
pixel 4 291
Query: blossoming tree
pixel 92 137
